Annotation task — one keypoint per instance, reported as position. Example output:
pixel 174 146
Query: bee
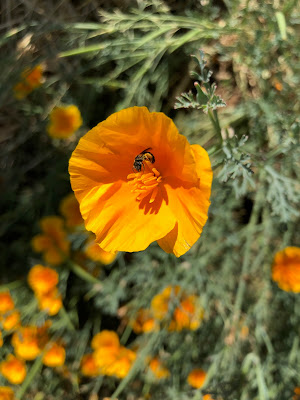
pixel 145 155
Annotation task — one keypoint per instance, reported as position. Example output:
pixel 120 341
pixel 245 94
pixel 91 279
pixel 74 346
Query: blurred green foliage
pixel 104 56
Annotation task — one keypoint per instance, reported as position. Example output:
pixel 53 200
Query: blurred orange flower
pixel 158 369
pixel 6 393
pixel 6 302
pixel 29 341
pixel 296 393
pixel 1 339
pixel 88 365
pixel 51 302
pixel 64 121
pixel 42 279
pixel 144 322
pixel 30 80
pixel 13 369
pixel 53 242
pixel 120 365
pixel 286 269
pixel 166 199
pixel 93 251
pixel 196 378
pixel 54 355
pixel 187 314
pixel 11 320
pixel 105 339
pixel 69 208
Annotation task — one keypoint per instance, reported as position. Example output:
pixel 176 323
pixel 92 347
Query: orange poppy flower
pixel 6 302
pixel 196 378
pixel 13 369
pixel 51 302
pixel 6 393
pixel 69 208
pixel 144 322
pixel 93 251
pixel 158 369
pixel 1 339
pixel 53 242
pixel 42 279
pixel 88 366
pixel 286 269
pixel 105 339
pixel 11 320
pixel 30 80
pixel 296 393
pixel 29 341
pixel 64 121
pixel 54 355
pixel 188 315
pixel 165 199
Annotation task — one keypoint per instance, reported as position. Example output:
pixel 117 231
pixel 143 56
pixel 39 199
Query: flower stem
pixel 30 376
pixel 81 273
pixel 213 115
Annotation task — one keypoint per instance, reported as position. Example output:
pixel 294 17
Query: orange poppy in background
pixel 53 243
pixel 69 208
pixel 54 356
pixel 196 378
pixel 286 269
pixel 13 369
pixel 6 393
pixel 30 80
pixel 64 121
pixel 165 198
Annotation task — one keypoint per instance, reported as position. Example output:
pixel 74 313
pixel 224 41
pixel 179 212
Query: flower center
pixel 146 182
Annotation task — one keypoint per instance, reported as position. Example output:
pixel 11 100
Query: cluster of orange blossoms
pixel 53 241
pixel 9 315
pixel 6 393
pixel 30 80
pixel 43 281
pixel 286 269
pixel 109 357
pixel 64 121
pixel 28 342
pixel 172 304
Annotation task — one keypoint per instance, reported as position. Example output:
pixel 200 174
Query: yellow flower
pixel 187 315
pixel 144 322
pixel 29 341
pixel 93 251
pixel 42 279
pixel 166 199
pixel 286 269
pixel 64 121
pixel 108 339
pixel 196 378
pixel 53 242
pixel 158 369
pixel 30 80
pixel 88 365
pixel 6 302
pixel 122 363
pixel 11 321
pixel 69 208
pixel 6 393
pixel 54 355
pixel 13 369
pixel 50 302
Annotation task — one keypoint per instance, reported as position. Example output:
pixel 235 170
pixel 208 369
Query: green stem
pixel 247 257
pixel 215 121
pixel 81 273
pixel 66 317
pixel 30 376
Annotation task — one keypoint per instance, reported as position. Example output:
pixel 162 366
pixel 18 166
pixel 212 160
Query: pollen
pixel 145 183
